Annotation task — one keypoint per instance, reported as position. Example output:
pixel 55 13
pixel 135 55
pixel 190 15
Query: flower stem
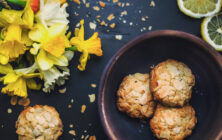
pixel 73 48
pixel 18 2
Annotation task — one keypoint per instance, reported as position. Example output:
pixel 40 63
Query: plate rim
pixel 146 36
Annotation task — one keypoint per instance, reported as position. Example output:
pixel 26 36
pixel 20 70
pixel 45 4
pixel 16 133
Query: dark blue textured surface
pixel 165 15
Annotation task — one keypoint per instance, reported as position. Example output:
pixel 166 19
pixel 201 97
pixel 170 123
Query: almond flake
pixel 92 98
pixel 62 91
pixel 119 37
pixel 87 5
pixel 115 1
pixel 113 25
pixel 92 137
pixel 83 108
pixel 93 85
pixel 152 4
pixel 110 17
pixel 150 28
pixel 9 110
pixel 13 100
pixel 77 1
pixel 124 13
pixel 92 26
pixel 24 101
pixel 72 132
pixel 96 8
pixel 102 4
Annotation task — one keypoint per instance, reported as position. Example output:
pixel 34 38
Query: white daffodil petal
pixel 51 13
pixel 60 61
pixel 61 80
pixel 28 70
pixel 69 55
pixel 43 61
pixel 51 77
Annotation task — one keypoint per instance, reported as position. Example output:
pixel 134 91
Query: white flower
pixel 54 76
pixel 51 13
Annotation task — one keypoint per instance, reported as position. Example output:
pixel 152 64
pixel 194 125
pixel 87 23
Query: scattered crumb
pixel 110 17
pixel 71 125
pixel 92 137
pixel 76 14
pixel 146 17
pixel 62 91
pixel 93 85
pixel 72 100
pixel 115 1
pixel 113 25
pixel 131 23
pixel 92 98
pixel 102 23
pixel 77 25
pixel 82 137
pixel 119 4
pixel 90 124
pixel 85 131
pixel 150 28
pixel 127 4
pixel 87 5
pixel 96 8
pixel 2 126
pixel 84 1
pixel 77 1
pixel 83 108
pixel 72 132
pixel 124 13
pixel 102 4
pixel 123 4
pixel 140 11
pixel 143 19
pixel 86 137
pixel 24 101
pixel 152 4
pixel 119 37
pixel 13 100
pixel 124 21
pixel 69 106
pixel 9 110
pixel 92 25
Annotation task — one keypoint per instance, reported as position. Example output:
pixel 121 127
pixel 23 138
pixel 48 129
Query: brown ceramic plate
pixel 150 49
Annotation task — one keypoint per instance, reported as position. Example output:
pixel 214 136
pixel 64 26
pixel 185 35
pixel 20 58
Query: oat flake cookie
pixel 134 96
pixel 39 123
pixel 171 83
pixel 173 123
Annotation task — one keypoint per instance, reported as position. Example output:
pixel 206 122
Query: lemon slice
pixel 199 8
pixel 211 31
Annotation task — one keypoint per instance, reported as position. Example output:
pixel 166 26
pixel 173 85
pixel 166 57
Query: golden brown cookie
pixel 134 96
pixel 173 123
pixel 171 83
pixel 39 123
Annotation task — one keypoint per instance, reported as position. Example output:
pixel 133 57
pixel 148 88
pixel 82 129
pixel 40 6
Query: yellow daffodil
pixel 52 43
pixel 90 46
pixel 12 46
pixel 17 81
pixel 52 12
pixel 14 40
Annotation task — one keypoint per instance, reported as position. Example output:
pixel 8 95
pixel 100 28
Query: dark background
pixel 165 15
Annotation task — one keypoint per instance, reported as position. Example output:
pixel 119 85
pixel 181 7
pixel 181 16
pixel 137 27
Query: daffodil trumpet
pixel 12 46
pixel 17 81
